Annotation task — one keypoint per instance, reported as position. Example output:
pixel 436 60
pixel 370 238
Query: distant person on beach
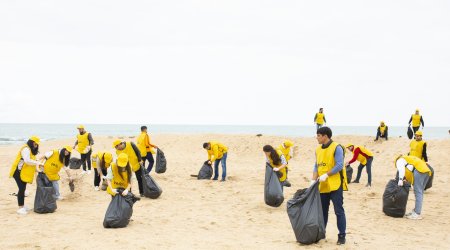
pixel 416 172
pixel 119 176
pixel 277 161
pixel 218 153
pixel 365 158
pixel 101 161
pixel 328 170
pixel 287 149
pixel 23 169
pixel 84 144
pixel 53 161
pixel 146 148
pixel 416 120
pixel 418 147
pixel 134 159
pixel 319 119
pixel 382 131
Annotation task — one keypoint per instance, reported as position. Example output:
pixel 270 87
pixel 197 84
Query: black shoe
pixel 215 179
pixel 287 183
pixel 142 195
pixel 355 181
pixel 222 180
pixel 341 240
pixel 368 185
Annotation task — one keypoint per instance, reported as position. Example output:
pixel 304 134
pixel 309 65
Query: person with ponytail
pixel 277 161
pixel 119 176
pixel 53 161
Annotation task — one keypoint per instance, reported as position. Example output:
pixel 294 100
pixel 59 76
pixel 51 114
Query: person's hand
pixel 155 146
pixel 141 163
pixel 73 147
pixel 400 183
pixel 276 169
pixel 311 182
pixel 346 163
pixel 323 177
pixel 125 192
pixel 209 162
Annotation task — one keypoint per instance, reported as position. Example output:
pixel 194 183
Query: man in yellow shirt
pixel 418 147
pixel 146 148
pixel 217 152
pixel 319 119
pixel 416 120
pixel 83 144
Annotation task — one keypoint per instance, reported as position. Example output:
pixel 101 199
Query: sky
pixel 237 62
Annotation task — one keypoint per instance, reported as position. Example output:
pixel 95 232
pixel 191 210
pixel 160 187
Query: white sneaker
pixel 60 198
pixel 27 209
pixel 96 188
pixel 414 216
pixel 27 193
pixel 89 172
pixel 409 214
pixel 83 172
pixel 22 211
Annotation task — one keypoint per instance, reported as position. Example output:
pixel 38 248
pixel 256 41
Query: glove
pixel 323 177
pixel 276 169
pixel 400 183
pixel 124 192
pixel 114 191
pixel 311 182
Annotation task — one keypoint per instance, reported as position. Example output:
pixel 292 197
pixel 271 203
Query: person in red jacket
pixel 365 158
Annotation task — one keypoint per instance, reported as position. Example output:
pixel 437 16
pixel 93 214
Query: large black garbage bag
pixel 119 210
pixel 410 133
pixel 349 170
pixel 205 172
pixel 75 163
pixel 161 162
pixel 44 201
pixel 273 194
pixel 306 216
pixel 395 198
pixel 430 180
pixel 151 188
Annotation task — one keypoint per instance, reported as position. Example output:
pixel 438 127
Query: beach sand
pixel 192 214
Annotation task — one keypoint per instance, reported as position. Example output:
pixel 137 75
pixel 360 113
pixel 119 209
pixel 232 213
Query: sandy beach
pixel 192 214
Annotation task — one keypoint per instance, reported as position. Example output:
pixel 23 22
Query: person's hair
pixel 128 169
pixel 63 157
pixel 205 145
pixel 320 108
pixel 143 128
pixel 325 131
pixel 273 154
pixel 34 150
pixel 102 162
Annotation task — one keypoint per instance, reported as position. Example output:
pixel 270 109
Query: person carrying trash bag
pixel 134 158
pixel 23 169
pixel 151 188
pixel 306 215
pixel 217 153
pixel 286 148
pixel 120 209
pixel 274 177
pixel 416 120
pixel 416 172
pixel 53 161
pixel 329 169
pixel 277 162
pixel 101 161
pixel 365 158
pixel 44 200
pixel 146 148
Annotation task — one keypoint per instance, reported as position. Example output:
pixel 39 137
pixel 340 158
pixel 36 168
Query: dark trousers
pixel 86 158
pixel 337 197
pixel 22 187
pixel 151 161
pixel 368 169
pixel 382 136
pixel 139 180
pixel 415 129
pixel 97 177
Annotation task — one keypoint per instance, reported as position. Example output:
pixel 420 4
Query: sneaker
pixel 27 209
pixel 96 188
pixel 414 216
pixel 222 180
pixel 27 193
pixel 355 181
pixel 409 214
pixel 214 179
pixel 368 185
pixel 83 172
pixel 142 195
pixel 89 172
pixel 341 240
pixel 60 198
pixel 22 211
pixel 287 183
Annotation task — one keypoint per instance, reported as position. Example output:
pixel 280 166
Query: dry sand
pixel 192 214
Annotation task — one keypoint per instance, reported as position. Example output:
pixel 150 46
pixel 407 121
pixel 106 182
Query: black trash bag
pixel 44 201
pixel 205 172
pixel 161 162
pixel 273 193
pixel 119 210
pixel 410 133
pixel 75 163
pixel 349 170
pixel 306 216
pixel 430 180
pixel 151 188
pixel 395 198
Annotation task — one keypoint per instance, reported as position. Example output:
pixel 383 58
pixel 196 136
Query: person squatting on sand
pixel 218 153
pixel 418 147
pixel 416 120
pixel 119 176
pixel 146 148
pixel 382 131
pixel 365 158
pixel 53 161
pixel 416 172
pixel 333 181
pixel 134 158
pixel 84 144
pixel 277 161
pixel 23 169
pixel 101 161
pixel 286 149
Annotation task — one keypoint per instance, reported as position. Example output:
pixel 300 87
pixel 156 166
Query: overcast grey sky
pixel 224 62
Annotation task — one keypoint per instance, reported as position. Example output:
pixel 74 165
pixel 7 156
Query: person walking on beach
pixel 416 172
pixel 286 149
pixel 217 153
pixel 146 148
pixel 119 176
pixel 416 120
pixel 101 161
pixel 277 161
pixel 319 119
pixel 382 131
pixel 84 144
pixel 418 147
pixel 365 158
pixel 23 169
pixel 333 180
pixel 134 158
pixel 53 161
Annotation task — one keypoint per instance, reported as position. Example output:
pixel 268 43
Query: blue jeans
pixel 337 197
pixel 420 181
pixel 318 126
pixel 224 167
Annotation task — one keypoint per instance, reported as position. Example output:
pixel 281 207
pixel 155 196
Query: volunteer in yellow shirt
pixel 119 176
pixel 277 161
pixel 146 148
pixel 134 159
pixel 418 147
pixel 218 153
pixel 319 119
pixel 53 161
pixel 382 131
pixel 286 149
pixel 416 120
pixel 83 144
pixel 101 162
pixel 365 158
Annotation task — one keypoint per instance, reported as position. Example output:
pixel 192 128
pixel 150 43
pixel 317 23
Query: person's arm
pixel 355 155
pixel 424 152
pixel 66 169
pixel 315 117
pixel 283 163
pixel 386 132
pixel 324 120
pixel 147 142
pixel 209 155
pixel 76 143
pixel 339 161
pixel 421 120
pixel 91 140
pixel 315 173
pixel 109 177
pixel 27 159
pixel 136 151
pixel 215 150
pixel 400 164
pixel 410 120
